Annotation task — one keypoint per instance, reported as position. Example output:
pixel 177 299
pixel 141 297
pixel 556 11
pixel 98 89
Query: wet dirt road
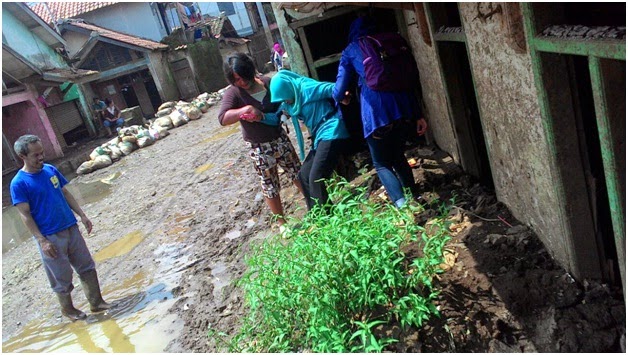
pixel 171 222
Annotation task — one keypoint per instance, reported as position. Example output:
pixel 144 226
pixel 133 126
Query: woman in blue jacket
pixel 383 114
pixel 311 102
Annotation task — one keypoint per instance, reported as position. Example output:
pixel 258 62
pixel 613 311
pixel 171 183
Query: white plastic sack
pixel 98 151
pixel 177 118
pixel 168 104
pixel 116 153
pixel 127 147
pixel 102 161
pixel 192 112
pixel 164 112
pixel 164 122
pixel 85 168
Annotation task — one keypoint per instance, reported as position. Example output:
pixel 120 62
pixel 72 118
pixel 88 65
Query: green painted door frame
pixel 594 51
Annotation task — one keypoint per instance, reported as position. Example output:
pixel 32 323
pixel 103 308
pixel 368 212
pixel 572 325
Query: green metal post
pixel 610 163
pixel 537 70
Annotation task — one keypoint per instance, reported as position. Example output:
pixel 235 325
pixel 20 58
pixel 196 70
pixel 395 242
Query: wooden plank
pixel 323 16
pixel 612 49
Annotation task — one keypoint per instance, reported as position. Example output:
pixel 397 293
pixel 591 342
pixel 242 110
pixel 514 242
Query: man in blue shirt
pixel 45 206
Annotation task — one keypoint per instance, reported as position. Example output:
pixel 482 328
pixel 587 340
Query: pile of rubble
pixel 169 115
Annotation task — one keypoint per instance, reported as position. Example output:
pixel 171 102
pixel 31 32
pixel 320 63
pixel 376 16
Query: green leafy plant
pixel 337 276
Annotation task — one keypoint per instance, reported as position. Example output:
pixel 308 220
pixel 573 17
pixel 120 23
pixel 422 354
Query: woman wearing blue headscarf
pixel 383 114
pixel 310 101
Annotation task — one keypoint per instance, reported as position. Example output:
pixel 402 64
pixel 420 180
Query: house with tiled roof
pixel 41 93
pixel 133 71
pixel 116 16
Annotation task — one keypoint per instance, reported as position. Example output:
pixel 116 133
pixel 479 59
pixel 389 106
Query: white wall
pixel 240 19
pixel 135 18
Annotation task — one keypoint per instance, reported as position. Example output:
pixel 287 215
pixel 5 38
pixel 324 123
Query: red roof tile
pixel 121 37
pixel 64 10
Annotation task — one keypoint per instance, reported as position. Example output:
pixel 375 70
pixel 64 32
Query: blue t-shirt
pixel 42 191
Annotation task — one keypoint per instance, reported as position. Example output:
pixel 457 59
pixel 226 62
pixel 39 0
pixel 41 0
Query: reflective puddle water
pixel 222 133
pixel 220 278
pixel 13 230
pixel 137 322
pixel 109 179
pixel 120 246
pixel 90 192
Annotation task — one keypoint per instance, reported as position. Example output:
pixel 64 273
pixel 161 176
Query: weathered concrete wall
pixel 163 76
pixel 295 53
pixel 434 97
pixel 26 116
pixel 124 16
pixel 18 37
pixel 74 41
pixel 513 130
pixel 206 62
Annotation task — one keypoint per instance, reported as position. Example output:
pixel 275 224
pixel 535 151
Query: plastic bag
pixel 85 168
pixel 116 153
pixel 177 118
pixel 192 112
pixel 164 122
pixel 165 105
pixel 166 111
pixel 102 161
pixel 99 151
pixel 127 147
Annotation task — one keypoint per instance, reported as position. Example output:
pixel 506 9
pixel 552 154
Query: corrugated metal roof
pixel 64 10
pixel 119 36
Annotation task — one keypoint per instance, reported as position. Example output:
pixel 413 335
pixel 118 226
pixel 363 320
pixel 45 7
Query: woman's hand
pixel 250 113
pixel 347 99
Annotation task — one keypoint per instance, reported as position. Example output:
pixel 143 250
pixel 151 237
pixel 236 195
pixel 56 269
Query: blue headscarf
pixel 361 27
pixel 287 85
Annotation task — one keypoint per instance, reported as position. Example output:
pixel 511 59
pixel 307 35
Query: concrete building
pixel 39 95
pixel 133 71
pixel 527 98
pixel 117 16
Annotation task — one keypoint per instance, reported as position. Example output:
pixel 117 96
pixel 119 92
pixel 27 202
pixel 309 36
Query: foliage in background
pixel 327 284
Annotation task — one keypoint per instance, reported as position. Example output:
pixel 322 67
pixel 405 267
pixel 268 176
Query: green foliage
pixel 337 276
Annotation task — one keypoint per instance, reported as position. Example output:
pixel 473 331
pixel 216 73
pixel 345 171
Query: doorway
pixel 130 97
pixel 582 91
pixel 458 82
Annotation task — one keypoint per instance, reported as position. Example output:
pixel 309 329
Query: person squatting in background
pixel 311 102
pixel 112 119
pixel 384 115
pixel 248 101
pixel 45 205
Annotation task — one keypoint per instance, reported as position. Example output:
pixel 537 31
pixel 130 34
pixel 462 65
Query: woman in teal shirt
pixel 311 102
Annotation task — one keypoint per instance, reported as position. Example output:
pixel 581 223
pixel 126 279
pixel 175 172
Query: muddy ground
pixel 501 291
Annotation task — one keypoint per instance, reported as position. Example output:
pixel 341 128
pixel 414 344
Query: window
pixel 227 8
pixel 105 57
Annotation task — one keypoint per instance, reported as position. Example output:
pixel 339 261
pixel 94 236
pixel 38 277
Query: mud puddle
pixel 139 320
pixel 222 134
pixel 13 230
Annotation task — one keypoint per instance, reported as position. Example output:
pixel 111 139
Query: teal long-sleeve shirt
pixel 320 115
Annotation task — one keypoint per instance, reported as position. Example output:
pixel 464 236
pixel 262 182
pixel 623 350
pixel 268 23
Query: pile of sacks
pixel 174 114
pixel 170 114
